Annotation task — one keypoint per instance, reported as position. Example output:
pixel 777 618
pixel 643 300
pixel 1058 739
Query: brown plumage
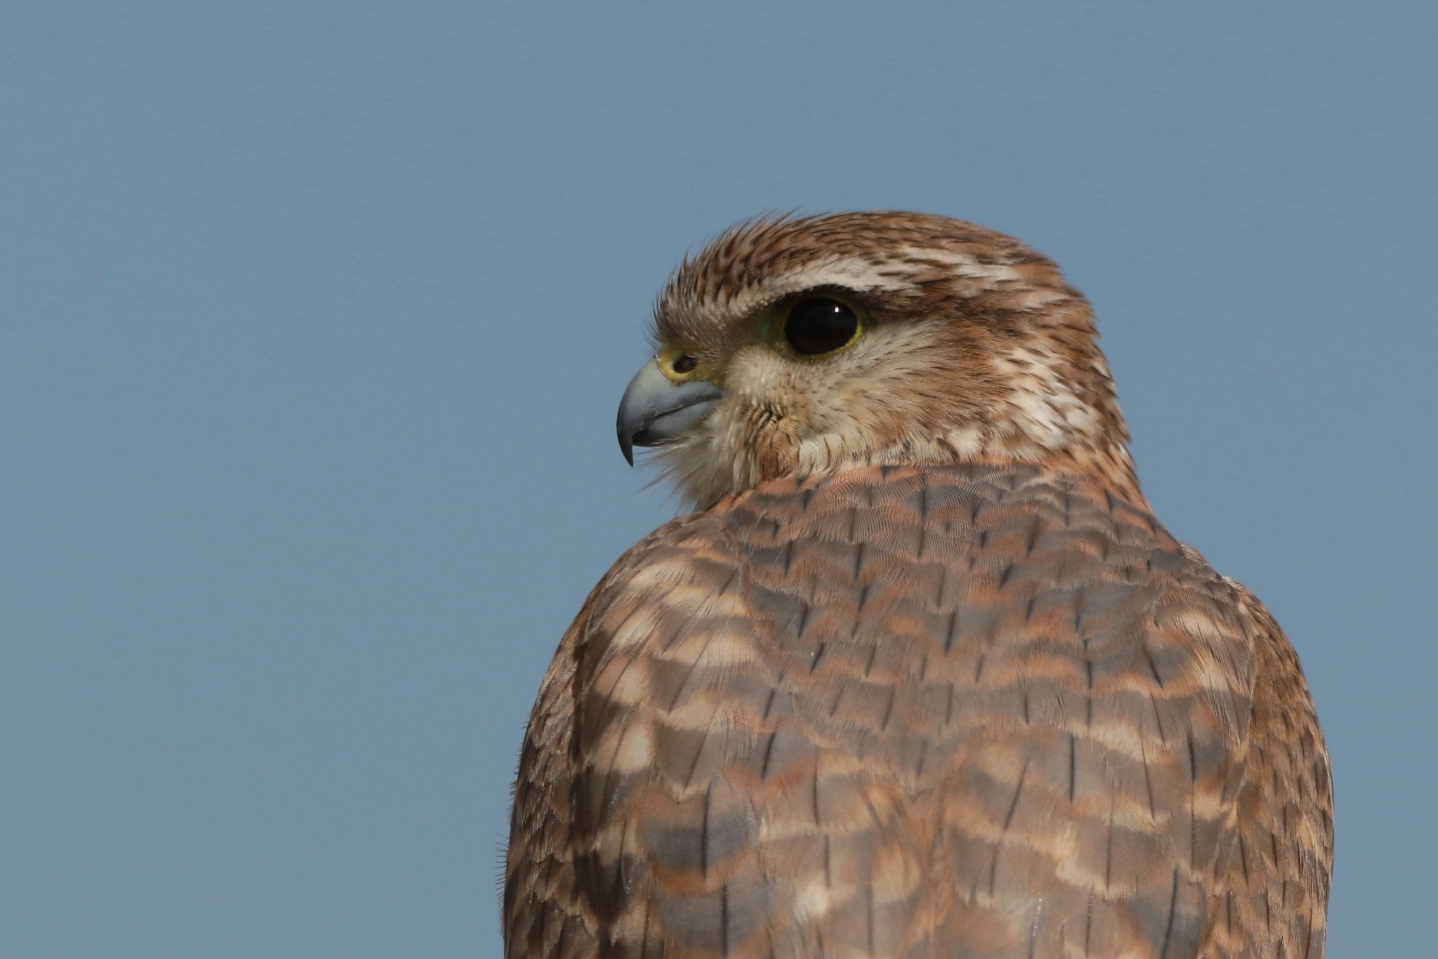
pixel 923 677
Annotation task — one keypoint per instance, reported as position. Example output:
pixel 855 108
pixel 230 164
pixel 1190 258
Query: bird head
pixel 796 346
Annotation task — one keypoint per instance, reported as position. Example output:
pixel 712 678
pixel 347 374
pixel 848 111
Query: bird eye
pixel 820 325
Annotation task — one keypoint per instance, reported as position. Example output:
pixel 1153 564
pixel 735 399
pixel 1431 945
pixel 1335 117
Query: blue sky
pixel 314 317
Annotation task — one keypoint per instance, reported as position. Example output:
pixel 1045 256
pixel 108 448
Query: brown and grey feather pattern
pixel 969 711
pixel 951 694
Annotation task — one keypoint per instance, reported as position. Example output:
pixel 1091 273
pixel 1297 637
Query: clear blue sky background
pixel 314 317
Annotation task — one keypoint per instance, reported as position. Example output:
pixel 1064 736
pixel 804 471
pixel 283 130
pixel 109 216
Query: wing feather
pixel 962 711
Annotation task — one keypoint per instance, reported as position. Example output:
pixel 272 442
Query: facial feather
pixel 974 348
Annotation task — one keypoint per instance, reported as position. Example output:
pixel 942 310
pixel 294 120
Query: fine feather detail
pixel 976 350
pixel 924 676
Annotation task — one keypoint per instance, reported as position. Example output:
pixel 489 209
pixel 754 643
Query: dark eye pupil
pixel 820 325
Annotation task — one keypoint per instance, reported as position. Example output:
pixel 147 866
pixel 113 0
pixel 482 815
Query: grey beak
pixel 656 410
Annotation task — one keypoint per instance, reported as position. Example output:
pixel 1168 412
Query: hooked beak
pixel 656 410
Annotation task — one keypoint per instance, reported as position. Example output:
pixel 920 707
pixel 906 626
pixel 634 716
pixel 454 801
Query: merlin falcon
pixel 922 677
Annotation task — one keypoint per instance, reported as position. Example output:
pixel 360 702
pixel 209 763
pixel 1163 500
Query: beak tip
pixel 626 445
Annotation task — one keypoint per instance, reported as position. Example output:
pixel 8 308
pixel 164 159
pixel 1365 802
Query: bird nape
pixel 922 676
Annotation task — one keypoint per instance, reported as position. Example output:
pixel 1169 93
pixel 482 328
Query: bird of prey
pixel 922 676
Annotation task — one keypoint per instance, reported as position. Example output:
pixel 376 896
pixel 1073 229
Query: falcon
pixel 922 676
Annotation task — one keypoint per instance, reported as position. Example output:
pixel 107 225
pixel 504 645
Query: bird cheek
pixel 755 371
pixel 751 438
